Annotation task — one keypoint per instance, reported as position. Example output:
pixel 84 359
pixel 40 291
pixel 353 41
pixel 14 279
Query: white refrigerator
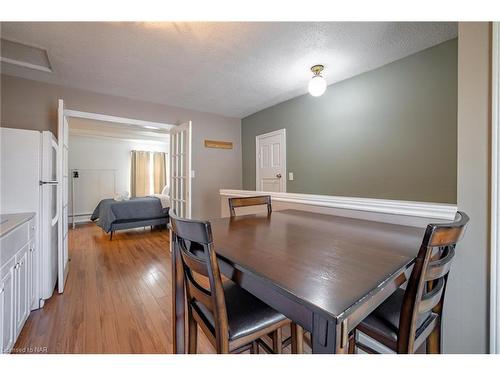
pixel 28 183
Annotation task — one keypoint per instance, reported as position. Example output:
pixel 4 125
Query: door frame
pixel 495 193
pixel 66 113
pixel 281 132
pixel 62 268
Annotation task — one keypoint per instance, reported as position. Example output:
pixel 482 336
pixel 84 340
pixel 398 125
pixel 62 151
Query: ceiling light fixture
pixel 317 84
pixel 151 127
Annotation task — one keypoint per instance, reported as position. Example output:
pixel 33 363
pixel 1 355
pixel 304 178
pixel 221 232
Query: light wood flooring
pixel 117 297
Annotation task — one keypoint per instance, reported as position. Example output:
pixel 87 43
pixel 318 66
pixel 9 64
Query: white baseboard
pixel 79 219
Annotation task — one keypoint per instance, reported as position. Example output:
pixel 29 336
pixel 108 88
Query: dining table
pixel 324 272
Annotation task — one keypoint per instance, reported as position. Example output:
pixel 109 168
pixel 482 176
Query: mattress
pixel 109 211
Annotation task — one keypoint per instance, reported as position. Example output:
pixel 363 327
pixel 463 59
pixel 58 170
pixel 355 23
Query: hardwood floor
pixel 117 298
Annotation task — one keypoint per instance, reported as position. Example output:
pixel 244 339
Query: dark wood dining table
pixel 324 272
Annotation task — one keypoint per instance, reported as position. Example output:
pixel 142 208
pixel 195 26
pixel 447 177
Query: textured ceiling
pixel 232 69
pixel 79 126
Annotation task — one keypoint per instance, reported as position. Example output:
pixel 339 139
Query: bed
pixel 112 215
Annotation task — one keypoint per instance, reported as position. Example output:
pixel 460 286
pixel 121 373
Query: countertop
pixel 9 222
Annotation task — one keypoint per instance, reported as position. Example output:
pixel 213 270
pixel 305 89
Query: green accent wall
pixel 388 133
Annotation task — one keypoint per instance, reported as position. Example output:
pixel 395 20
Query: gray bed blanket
pixel 109 211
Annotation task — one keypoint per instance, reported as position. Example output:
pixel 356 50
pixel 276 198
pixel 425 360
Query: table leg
pixel 323 335
pixel 328 336
pixel 178 308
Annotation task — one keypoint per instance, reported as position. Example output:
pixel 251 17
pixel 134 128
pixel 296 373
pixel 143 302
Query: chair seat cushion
pixel 246 314
pixel 383 323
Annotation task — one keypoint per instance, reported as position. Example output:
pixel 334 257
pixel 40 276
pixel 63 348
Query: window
pixel 148 173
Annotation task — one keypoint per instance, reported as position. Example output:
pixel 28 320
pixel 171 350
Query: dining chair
pixel 249 201
pixel 232 318
pixel 410 317
pixel 296 337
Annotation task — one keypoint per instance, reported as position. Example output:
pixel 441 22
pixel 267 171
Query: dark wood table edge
pixel 234 272
pixel 320 323
pixel 359 310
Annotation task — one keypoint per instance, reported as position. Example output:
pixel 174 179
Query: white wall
pixel 89 152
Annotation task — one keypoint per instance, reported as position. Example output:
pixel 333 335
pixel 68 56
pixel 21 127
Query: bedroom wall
pixel 28 104
pixel 102 156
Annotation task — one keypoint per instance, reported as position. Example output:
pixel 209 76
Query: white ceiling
pixel 85 127
pixel 232 69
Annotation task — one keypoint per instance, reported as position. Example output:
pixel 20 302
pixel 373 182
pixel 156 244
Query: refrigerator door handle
pixel 48 182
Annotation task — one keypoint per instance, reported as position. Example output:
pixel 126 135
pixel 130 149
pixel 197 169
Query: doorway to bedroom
pixel 121 167
pixel 115 161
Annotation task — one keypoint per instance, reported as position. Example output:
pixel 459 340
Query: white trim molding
pixel 440 211
pixel 495 194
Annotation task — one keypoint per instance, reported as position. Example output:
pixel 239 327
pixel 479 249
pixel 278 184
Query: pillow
pixel 165 190
pixel 121 196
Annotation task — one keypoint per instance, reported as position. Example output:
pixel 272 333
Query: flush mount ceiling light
pixel 151 127
pixel 317 84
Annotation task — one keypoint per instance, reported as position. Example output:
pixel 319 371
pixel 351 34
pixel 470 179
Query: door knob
pixel 278 175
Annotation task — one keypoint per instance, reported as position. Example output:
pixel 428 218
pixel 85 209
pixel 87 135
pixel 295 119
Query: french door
pixel 62 162
pixel 180 170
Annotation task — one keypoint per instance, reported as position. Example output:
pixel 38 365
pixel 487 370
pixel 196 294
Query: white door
pixel 271 161
pixel 62 162
pixel 180 170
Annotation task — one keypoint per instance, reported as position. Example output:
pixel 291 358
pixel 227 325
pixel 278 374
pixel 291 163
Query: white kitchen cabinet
pixel 2 307
pixel 18 282
pixel 22 287
pixel 32 274
pixel 7 308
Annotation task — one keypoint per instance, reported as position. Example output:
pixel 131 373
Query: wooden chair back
pixel 249 201
pixel 193 239
pixel 427 284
